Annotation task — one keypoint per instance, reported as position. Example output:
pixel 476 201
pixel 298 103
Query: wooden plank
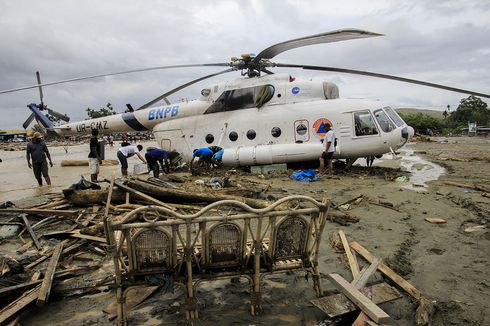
pixel 48 276
pixel 337 304
pixel 14 307
pixel 46 255
pixel 48 212
pixel 354 267
pixel 360 280
pixel 400 281
pixel 367 306
pixel 31 232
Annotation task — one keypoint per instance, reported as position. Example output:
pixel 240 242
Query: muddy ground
pixel 446 262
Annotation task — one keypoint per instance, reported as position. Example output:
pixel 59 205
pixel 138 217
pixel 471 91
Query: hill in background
pixel 431 113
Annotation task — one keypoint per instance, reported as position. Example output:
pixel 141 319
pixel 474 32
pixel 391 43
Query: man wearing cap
pixel 38 150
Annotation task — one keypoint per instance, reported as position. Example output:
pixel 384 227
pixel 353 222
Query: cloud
pixel 442 42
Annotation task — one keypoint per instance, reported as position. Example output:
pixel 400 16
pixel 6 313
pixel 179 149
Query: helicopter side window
pixel 394 116
pixel 384 121
pixel 364 124
pixel 263 94
pixel 242 98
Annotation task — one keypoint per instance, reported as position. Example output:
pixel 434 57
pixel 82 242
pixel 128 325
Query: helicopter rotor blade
pixel 38 76
pixel 58 115
pixel 163 96
pixel 115 73
pixel 28 121
pixel 329 37
pixel 384 76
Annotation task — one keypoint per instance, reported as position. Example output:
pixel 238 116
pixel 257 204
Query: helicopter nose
pixel 411 132
pixel 407 133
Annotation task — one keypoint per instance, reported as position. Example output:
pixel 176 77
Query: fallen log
pixel 181 196
pixel 90 197
pixel 85 162
pixel 342 218
pixel 143 195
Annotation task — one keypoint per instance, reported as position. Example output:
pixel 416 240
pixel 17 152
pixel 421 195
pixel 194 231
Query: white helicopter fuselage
pixel 288 126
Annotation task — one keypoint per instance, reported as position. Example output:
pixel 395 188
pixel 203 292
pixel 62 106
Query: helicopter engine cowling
pixel 271 154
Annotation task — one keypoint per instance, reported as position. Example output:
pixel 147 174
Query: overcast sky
pixel 444 41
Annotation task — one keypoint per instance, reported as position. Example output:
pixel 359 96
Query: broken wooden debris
pixel 424 312
pixel 355 199
pixel 342 218
pixel 354 266
pixel 361 280
pixel 31 232
pixel 17 305
pixel 388 272
pixel 367 306
pixel 48 276
pixel 338 304
pixel 48 212
pixel 35 279
pixel 436 220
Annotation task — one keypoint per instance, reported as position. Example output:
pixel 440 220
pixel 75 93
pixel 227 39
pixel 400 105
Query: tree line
pixel 470 110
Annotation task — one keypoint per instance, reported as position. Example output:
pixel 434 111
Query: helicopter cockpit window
pixel 384 121
pixel 394 116
pixel 242 98
pixel 364 124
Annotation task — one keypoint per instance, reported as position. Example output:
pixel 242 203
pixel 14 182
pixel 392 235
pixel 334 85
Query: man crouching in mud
pixel 38 150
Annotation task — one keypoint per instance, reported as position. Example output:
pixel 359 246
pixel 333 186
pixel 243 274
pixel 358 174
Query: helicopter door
pixel 301 131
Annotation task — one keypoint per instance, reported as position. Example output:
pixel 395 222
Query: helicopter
pixel 263 117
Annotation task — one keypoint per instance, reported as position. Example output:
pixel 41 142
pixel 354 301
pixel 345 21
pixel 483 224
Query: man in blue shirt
pixel 154 156
pixel 217 158
pixel 204 155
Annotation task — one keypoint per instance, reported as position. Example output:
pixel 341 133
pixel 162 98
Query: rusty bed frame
pixel 226 239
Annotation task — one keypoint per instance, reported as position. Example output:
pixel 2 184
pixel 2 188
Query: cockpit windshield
pixel 384 121
pixel 242 98
pixel 394 116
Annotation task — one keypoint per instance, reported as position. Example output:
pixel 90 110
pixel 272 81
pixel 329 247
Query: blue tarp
pixel 305 175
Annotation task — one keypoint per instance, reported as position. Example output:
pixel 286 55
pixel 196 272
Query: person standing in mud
pixel 94 160
pixel 329 144
pixel 38 150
